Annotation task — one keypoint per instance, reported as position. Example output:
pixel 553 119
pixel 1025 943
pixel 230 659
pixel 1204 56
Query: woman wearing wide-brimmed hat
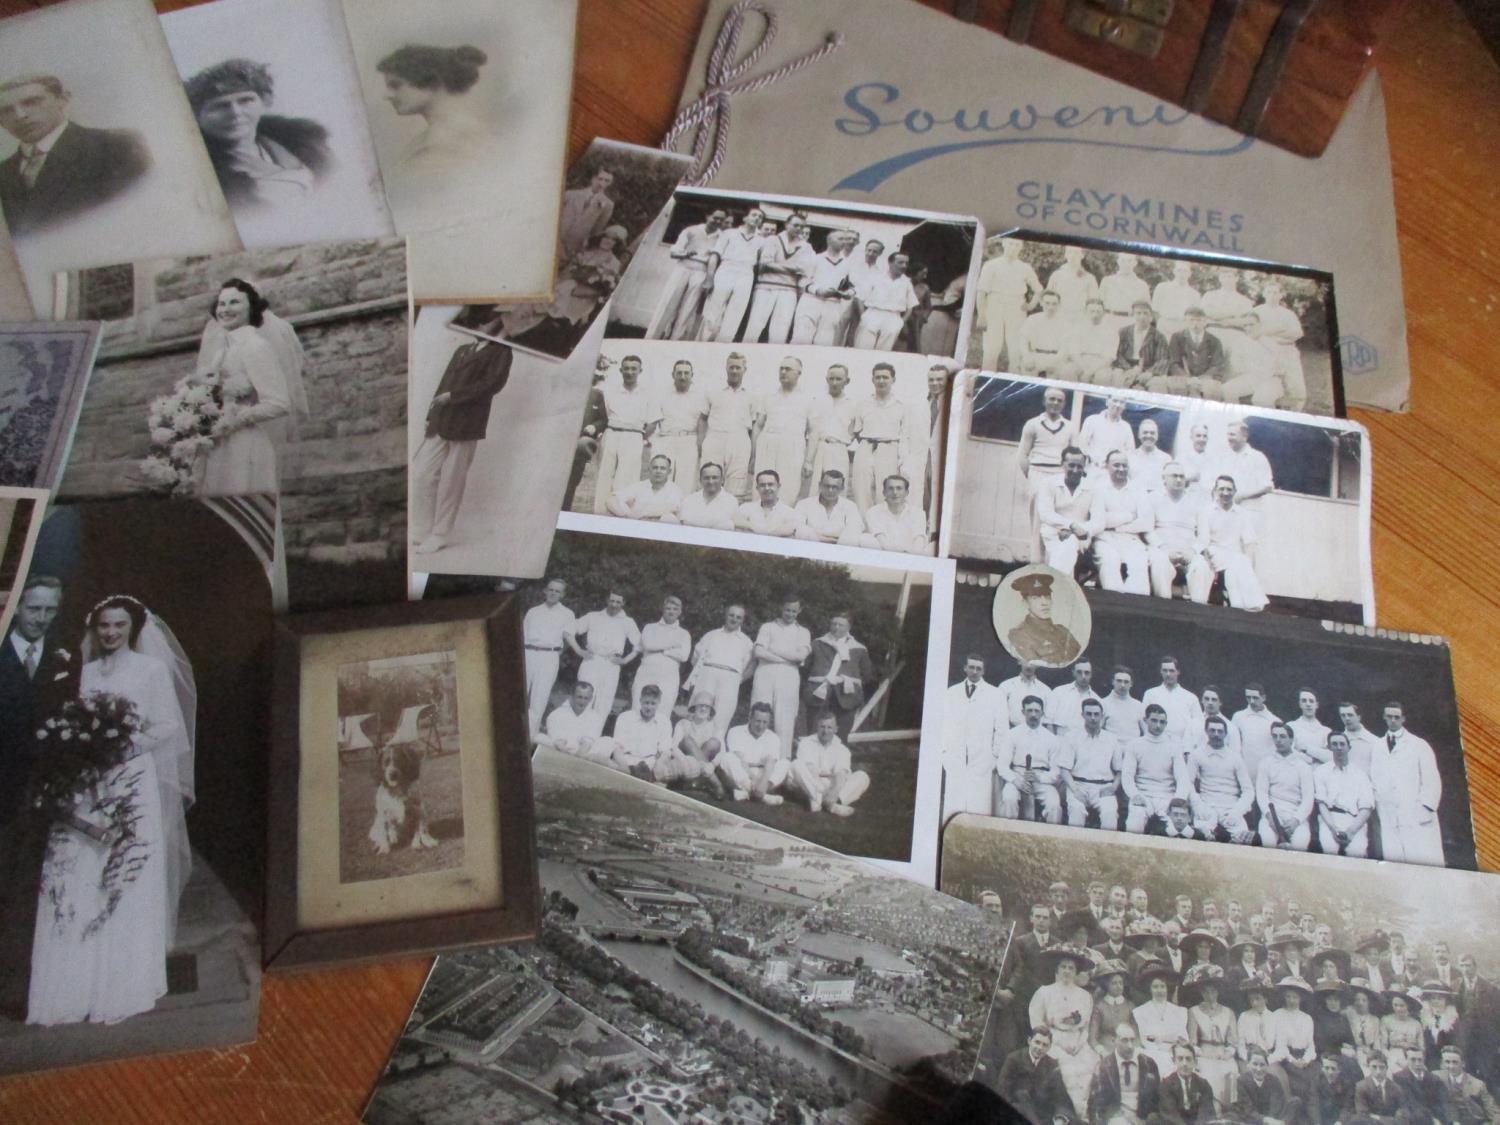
pixel 1331 964
pixel 1160 1022
pixel 1332 1035
pixel 1439 1021
pixel 1295 1049
pixel 1112 1006
pixel 1363 1014
pixel 1065 1008
pixel 1211 1028
pixel 1248 962
pixel 1402 1029
pixel 1289 951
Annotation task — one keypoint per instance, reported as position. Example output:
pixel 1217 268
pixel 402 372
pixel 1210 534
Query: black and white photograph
pixel 612 193
pixel 1041 616
pixel 1256 510
pixel 467 105
pixel 494 428
pixel 1130 317
pixel 1176 720
pixel 44 368
pixel 696 966
pixel 278 372
pixel 274 91
pixel 790 682
pixel 827 445
pixel 1152 980
pixel 100 159
pixel 737 268
pixel 21 511
pixel 401 808
pixel 131 708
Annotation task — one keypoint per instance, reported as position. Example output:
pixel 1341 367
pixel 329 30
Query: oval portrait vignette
pixel 1041 615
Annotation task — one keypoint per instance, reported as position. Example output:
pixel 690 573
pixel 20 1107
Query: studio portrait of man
pixel 1037 637
pixel 61 168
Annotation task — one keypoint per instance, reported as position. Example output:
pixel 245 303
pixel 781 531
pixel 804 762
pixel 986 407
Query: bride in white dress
pixel 259 360
pixel 81 968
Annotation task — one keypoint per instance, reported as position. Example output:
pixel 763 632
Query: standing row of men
pixel 755 279
pixel 1172 762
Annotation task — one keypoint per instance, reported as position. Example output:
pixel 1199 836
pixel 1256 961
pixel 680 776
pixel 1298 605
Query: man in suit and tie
pixel 1031 1083
pixel 457 420
pixel 1124 1079
pixel 1196 364
pixel 36 677
pixel 1142 353
pixel 1186 1097
pixel 1377 1098
pixel 1479 1024
pixel 60 169
pixel 585 213
pixel 1466 1100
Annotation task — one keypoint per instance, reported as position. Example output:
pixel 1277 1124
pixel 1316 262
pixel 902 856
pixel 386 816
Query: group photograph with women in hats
pixel 1150 980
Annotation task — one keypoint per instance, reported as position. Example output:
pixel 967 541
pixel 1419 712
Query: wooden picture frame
pixel 317 912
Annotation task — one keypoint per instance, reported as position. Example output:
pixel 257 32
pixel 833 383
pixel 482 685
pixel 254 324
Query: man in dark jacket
pixel 457 420
pixel 1142 354
pixel 60 169
pixel 1126 1079
pixel 1186 1097
pixel 1031 1083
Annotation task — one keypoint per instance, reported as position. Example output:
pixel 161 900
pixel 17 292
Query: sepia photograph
pixel 400 786
pixel 1155 980
pixel 1257 510
pixel 611 194
pixel 278 371
pixel 44 368
pixel 696 966
pixel 467 105
pixel 273 88
pixel 131 867
pixel 827 445
pixel 1117 315
pixel 1177 720
pixel 494 428
pixel 1041 616
pixel 100 159
pixel 789 681
pixel 737 268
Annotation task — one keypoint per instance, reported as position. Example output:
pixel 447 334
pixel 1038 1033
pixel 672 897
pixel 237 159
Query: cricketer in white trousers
pixel 682 449
pixel 732 450
pixel 775 305
pixel 726 304
pixel 818 319
pixel 541 674
pixel 619 465
pixel 780 685
pixel 677 315
pixel 878 329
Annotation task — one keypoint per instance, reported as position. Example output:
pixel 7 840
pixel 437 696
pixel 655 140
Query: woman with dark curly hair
pixel 432 83
pixel 262 159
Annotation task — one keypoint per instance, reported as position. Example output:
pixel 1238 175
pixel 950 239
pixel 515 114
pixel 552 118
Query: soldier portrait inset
pixel 1040 615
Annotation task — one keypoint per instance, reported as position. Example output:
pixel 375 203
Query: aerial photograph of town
pixel 697 967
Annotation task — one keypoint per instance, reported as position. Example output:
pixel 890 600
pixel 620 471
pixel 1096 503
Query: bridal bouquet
pixel 186 423
pixel 78 748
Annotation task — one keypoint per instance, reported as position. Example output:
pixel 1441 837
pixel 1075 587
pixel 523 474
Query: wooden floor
pixel 324 1036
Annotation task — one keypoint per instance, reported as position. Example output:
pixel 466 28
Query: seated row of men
pixel 745 763
pixel 895 524
pixel 1252 778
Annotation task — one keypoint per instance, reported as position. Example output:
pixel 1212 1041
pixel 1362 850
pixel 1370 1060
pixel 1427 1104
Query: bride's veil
pixel 281 337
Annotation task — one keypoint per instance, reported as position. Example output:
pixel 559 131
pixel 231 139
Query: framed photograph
pixel 1255 711
pixel 44 368
pixel 401 817
pixel 1233 506
pixel 1123 315
pixel 1232 982
pixel 733 267
pixel 21 511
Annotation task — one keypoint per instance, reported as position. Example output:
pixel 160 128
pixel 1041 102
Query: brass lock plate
pixel 1132 25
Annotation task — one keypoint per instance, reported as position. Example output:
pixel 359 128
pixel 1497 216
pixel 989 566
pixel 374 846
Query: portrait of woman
pixel 101 942
pixel 262 159
pixel 433 83
pixel 257 359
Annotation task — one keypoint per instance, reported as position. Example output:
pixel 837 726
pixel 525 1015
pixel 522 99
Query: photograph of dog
pixel 400 783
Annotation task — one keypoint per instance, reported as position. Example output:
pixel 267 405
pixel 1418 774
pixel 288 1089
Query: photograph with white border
pixel 788 441
pixel 818 672
pixel 1259 981
pixel 812 271
pixel 272 86
pixel 1169 497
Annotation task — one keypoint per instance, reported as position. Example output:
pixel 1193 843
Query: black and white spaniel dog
pixel 399 819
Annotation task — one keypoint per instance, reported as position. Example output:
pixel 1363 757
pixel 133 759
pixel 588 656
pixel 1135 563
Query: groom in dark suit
pixel 61 168
pixel 36 677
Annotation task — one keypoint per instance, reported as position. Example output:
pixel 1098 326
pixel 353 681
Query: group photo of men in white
pixel 731 268
pixel 822 444
pixel 756 680
pixel 1144 494
pixel 1185 325
pixel 1294 737
pixel 1145 983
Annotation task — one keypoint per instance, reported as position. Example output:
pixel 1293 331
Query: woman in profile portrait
pixel 262 159
pixel 434 83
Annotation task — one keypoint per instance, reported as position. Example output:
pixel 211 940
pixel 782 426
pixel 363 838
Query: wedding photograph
pixel 612 193
pixel 400 786
pixel 467 108
pixel 828 445
pixel 1152 976
pixel 44 368
pixel 693 965
pixel 1240 718
pixel 131 740
pixel 1119 315
pixel 273 88
pixel 734 267
pixel 1171 498
pixel 100 158
pixel 790 682
pixel 280 371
